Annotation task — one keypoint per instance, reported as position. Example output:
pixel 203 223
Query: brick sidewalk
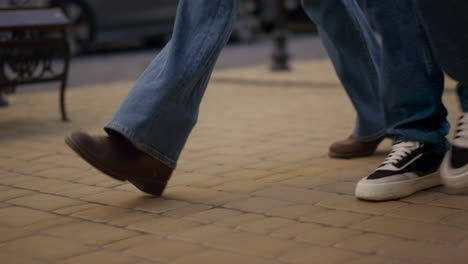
pixel 254 184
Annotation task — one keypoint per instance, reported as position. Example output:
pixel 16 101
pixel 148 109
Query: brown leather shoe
pixel 118 158
pixel 351 148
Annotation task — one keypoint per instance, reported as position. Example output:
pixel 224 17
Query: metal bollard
pixel 280 56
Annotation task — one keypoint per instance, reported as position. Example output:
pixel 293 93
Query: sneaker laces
pixel 461 135
pixel 399 151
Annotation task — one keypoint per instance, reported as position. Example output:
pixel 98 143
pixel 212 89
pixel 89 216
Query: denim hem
pixel 438 146
pixel 138 143
pixel 372 137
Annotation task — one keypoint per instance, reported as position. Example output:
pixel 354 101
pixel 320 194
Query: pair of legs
pixel 160 111
pixel 445 23
pixel 395 86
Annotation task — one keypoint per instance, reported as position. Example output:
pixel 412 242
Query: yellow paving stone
pixel 326 236
pixel 90 177
pixel 77 208
pixel 201 233
pixel 78 190
pixel 161 205
pixel 163 225
pixel 12 258
pixel 119 198
pixel 10 233
pixel 201 195
pixel 366 243
pixel 134 217
pixel 266 225
pixel 309 181
pixel 100 257
pixel 291 194
pixel 338 187
pixel 18 216
pixel 50 222
pixel 90 233
pixel 292 231
pixel 275 178
pixel 457 219
pixel 127 187
pixel 350 203
pixel 238 220
pixel 32 167
pixel 57 159
pixel 108 183
pixel 43 185
pixel 424 252
pixel 423 213
pixel 14 193
pixel 214 214
pixel 187 210
pixel 319 255
pixel 257 204
pixel 18 178
pixel 246 243
pixel 45 248
pixel 60 173
pixel 125 244
pixel 334 218
pixel 377 260
pixel 31 155
pixel 246 174
pixel 295 211
pixel 242 186
pixel 45 202
pixel 423 197
pixel 214 256
pixel 208 182
pixel 413 229
pixel 452 201
pixel 164 250
pixel 103 213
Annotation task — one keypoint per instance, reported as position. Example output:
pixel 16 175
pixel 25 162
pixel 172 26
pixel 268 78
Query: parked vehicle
pixel 107 21
pixel 99 21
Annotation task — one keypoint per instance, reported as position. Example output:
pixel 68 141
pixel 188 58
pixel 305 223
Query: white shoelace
pixel 461 135
pixel 399 152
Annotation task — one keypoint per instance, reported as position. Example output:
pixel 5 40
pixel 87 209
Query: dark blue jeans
pixel 395 88
pixel 446 23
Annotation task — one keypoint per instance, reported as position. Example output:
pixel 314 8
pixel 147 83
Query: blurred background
pixel 128 34
pixel 97 23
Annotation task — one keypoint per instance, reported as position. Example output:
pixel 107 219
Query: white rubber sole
pixel 453 178
pixel 367 190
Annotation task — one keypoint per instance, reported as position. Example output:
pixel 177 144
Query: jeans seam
pixel 185 81
pixel 368 57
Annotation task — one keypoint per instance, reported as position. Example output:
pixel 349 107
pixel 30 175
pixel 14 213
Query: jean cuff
pixel 138 143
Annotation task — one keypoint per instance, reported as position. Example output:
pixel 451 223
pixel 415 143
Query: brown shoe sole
pixel 150 186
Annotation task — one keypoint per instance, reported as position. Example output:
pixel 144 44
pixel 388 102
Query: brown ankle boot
pixel 118 158
pixel 351 148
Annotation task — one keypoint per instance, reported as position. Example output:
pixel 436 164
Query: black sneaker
pixel 410 167
pixel 454 169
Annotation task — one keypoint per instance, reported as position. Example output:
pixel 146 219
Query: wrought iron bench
pixel 34 49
